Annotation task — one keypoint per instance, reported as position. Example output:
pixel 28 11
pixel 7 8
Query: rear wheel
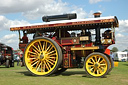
pixel 42 56
pixel 96 64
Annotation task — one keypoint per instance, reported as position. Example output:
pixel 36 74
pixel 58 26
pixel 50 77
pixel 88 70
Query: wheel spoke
pixel 39 48
pixel 43 46
pixel 100 70
pixel 91 69
pixel 94 71
pixel 52 55
pixel 34 63
pixel 102 61
pixel 98 60
pixel 35 48
pixel 51 60
pixel 41 66
pixel 46 65
pixel 36 51
pixel 38 67
pixel 102 64
pixel 31 52
pixel 40 44
pixel 31 58
pixel 48 47
pixel 37 64
pixel 51 52
pixel 90 65
pixel 97 71
pixel 90 62
pixel 95 58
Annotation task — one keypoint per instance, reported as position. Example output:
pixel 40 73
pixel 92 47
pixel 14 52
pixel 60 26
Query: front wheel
pixel 96 64
pixel 42 56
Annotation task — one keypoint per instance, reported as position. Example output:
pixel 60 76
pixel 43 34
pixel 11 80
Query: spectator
pixel 112 56
pixel 1 56
pixel 21 59
pixel 18 60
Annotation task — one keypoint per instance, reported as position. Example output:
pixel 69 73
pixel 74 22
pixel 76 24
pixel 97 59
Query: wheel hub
pixel 41 56
pixel 97 65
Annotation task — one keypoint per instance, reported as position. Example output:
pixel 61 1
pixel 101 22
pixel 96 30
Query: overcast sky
pixel 23 12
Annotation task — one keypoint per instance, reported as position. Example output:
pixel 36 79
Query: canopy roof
pixel 75 24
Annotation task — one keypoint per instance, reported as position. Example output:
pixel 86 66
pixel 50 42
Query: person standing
pixel 21 59
pixel 111 54
pixel 1 57
pixel 25 38
pixel 18 60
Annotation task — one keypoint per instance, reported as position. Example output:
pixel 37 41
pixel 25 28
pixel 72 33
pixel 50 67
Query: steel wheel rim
pixel 96 65
pixel 41 57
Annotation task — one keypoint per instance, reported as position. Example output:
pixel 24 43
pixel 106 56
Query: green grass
pixel 20 76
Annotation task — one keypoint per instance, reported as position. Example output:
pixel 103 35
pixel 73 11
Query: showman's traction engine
pixel 63 42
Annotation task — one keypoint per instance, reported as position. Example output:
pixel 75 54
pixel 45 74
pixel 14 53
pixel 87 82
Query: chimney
pixel 97 14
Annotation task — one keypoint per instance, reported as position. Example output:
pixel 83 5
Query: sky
pixel 23 12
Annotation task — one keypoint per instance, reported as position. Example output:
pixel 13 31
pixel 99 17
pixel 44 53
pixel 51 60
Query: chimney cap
pixel 97 14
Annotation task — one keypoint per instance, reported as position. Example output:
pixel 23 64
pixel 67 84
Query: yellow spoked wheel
pixel 96 64
pixel 42 56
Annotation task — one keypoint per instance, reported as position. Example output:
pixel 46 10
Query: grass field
pixel 20 76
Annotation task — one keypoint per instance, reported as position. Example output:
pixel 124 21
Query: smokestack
pixel 59 17
pixel 97 14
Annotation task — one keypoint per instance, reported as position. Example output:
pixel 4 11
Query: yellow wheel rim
pixel 41 57
pixel 96 65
